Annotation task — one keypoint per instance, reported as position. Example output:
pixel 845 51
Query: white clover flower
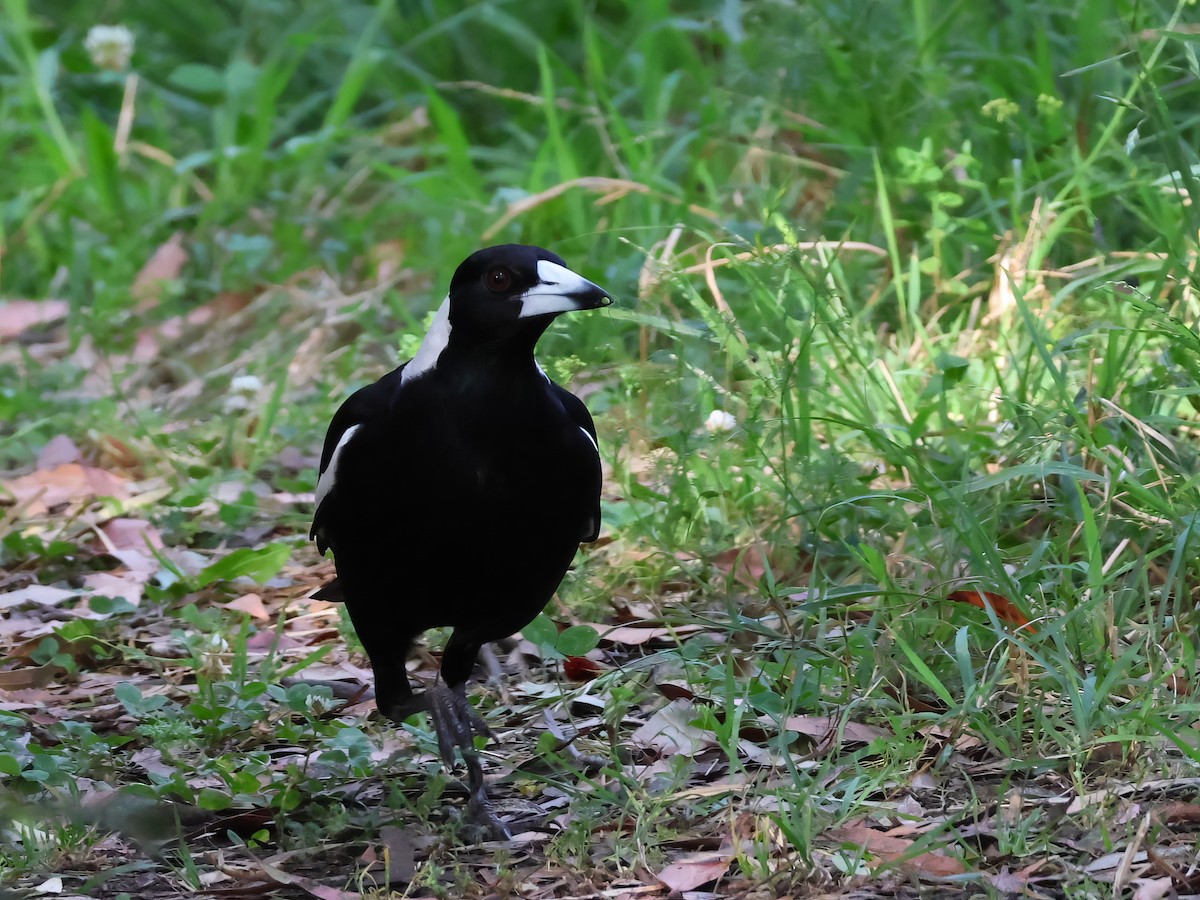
pixel 236 403
pixel 719 421
pixel 246 385
pixel 318 705
pixel 109 46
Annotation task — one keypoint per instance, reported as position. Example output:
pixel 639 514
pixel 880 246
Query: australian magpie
pixel 456 489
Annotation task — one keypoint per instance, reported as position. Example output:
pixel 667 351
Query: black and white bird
pixel 456 490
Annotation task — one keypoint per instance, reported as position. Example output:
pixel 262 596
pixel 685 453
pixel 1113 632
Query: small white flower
pixel 719 421
pixel 109 46
pixel 318 705
pixel 246 385
pixel 236 403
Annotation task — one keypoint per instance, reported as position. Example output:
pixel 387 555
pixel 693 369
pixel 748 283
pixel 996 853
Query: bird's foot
pixel 455 721
pixel 456 724
pixel 482 814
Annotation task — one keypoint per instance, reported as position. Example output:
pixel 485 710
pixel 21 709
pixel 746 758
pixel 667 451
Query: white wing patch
pixel 329 476
pixel 591 440
pixel 432 345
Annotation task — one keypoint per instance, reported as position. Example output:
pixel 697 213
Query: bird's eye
pixel 498 279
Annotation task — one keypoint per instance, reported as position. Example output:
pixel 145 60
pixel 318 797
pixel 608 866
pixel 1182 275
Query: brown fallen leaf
pixel 40 594
pixel 397 858
pixel 1178 812
pixel 633 635
pixel 1006 611
pixel 114 453
pixel 162 267
pixel 893 849
pixel 46 489
pixel 822 727
pixel 696 869
pixel 127 584
pixel 669 731
pixel 59 449
pixel 746 564
pixel 131 534
pixel 1152 888
pixel 251 604
pixel 18 316
pixel 308 885
pixel 29 677
pixel 580 668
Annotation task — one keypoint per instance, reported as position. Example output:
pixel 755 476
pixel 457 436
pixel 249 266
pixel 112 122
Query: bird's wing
pixel 579 415
pixel 363 407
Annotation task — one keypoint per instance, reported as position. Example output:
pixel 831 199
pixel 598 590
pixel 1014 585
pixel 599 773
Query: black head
pixel 499 288
pixel 501 300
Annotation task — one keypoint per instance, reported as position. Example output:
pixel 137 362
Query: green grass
pixel 937 261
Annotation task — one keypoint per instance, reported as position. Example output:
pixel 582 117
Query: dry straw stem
pixel 611 189
pixel 709 266
pixel 1012 264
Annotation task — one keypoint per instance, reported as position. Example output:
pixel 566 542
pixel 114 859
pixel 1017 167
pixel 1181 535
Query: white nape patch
pixel 591 440
pixel 556 291
pixel 432 345
pixel 329 476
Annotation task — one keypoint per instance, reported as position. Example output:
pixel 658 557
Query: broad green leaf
pixel 211 798
pixel 578 640
pixel 541 631
pixel 198 78
pixel 261 564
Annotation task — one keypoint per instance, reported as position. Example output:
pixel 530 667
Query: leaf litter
pixel 619 776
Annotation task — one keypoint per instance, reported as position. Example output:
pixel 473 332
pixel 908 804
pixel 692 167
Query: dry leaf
pixel 1152 888
pixel 580 668
pixel 17 316
pixel 690 872
pixel 250 604
pixel 161 268
pixel 1006 611
pixel 128 584
pixel 633 636
pixel 670 733
pixel 400 853
pixel 888 849
pixel 746 564
pixel 29 677
pixel 68 483
pixel 1178 813
pixel 1007 882
pixel 318 890
pixel 131 534
pixel 821 727
pixel 41 594
pixel 59 449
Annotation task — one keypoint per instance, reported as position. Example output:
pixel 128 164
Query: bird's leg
pixel 456 724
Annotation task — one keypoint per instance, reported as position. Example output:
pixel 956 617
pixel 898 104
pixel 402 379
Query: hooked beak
pixel 560 290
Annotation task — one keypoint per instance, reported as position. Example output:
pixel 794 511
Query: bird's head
pixel 501 300
pixel 499 288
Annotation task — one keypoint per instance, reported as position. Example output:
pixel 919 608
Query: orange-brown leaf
pixel 1006 611
pixel 580 668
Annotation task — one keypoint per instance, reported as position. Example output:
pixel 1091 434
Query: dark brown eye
pixel 498 279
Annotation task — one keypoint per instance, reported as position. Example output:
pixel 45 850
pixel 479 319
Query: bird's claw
pixel 456 724
pixel 455 721
pixel 482 814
